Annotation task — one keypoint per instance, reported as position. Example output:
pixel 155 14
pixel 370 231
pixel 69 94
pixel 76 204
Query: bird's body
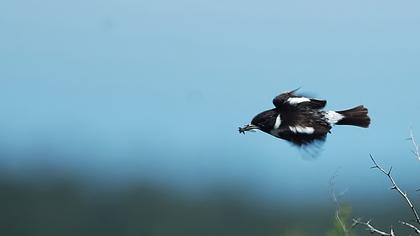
pixel 300 120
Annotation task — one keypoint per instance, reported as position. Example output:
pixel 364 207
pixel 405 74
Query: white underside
pixel 333 117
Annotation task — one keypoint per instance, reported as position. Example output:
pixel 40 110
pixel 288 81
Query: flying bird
pixel 301 120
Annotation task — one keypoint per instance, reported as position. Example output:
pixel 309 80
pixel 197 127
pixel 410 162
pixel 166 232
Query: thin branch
pixel 396 188
pixel 337 204
pixel 416 151
pixel 411 226
pixel 342 224
pixel 372 229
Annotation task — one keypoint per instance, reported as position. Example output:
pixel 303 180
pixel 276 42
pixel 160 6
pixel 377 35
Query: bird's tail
pixel 357 116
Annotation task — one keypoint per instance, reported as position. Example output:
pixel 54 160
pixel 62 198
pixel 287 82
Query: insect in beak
pixel 248 127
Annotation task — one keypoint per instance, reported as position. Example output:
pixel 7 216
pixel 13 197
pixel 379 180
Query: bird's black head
pixel 265 120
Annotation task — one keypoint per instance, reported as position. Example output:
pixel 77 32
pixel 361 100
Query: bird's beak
pixel 248 127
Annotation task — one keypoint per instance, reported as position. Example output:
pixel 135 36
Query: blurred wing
pixel 303 127
pixel 303 139
pixel 290 101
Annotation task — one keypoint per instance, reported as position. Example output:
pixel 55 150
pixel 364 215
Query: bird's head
pixel 264 121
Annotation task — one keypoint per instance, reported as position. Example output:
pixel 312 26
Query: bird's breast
pixel 275 132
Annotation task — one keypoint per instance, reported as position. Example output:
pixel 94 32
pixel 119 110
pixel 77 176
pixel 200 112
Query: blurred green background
pixel 59 205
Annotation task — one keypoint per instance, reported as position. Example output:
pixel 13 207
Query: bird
pixel 302 121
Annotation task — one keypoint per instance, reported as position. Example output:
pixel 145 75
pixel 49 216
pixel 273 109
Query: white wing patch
pixel 333 117
pixel 278 122
pixel 302 130
pixel 298 100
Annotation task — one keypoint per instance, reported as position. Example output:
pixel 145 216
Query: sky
pixel 155 90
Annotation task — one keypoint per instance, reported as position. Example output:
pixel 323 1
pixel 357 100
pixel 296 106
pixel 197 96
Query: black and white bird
pixel 300 120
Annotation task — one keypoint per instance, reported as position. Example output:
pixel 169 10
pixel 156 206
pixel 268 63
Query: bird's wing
pixel 302 139
pixel 303 127
pixel 290 101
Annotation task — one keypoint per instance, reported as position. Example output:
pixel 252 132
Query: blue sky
pixel 155 90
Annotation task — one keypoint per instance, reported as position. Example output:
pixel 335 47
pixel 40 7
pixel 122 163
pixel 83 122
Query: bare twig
pixel 372 229
pixel 342 224
pixel 396 188
pixel 416 151
pixel 334 198
pixel 411 226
